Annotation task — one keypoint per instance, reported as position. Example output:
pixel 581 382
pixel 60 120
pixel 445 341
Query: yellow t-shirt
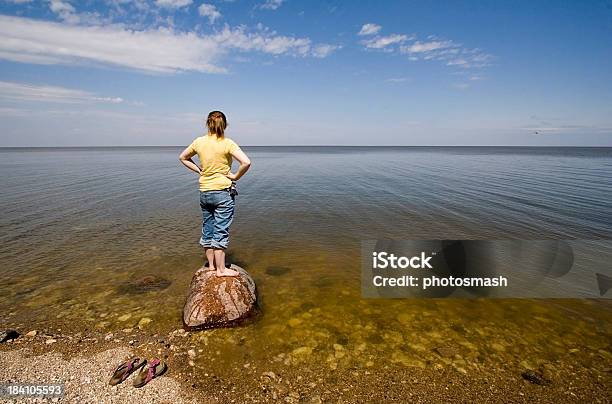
pixel 215 155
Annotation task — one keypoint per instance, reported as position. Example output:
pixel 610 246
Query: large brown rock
pixel 218 301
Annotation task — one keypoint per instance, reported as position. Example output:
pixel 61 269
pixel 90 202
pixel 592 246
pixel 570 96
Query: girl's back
pixel 215 155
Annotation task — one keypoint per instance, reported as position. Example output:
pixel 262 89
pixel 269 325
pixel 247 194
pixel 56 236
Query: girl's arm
pixel 185 158
pixel 245 164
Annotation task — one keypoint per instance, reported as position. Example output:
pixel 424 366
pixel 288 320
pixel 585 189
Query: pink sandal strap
pixel 129 368
pixel 151 370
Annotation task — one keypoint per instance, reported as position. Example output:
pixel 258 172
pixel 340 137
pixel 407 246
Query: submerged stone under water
pixel 277 271
pixel 145 284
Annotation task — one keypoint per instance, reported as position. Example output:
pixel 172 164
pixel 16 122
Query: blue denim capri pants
pixel 217 215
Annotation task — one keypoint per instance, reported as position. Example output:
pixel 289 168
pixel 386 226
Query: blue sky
pixel 121 72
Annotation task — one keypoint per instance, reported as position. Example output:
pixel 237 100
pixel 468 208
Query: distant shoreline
pixel 318 147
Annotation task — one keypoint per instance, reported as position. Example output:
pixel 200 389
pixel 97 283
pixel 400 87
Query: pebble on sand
pixel 269 374
pixel 535 377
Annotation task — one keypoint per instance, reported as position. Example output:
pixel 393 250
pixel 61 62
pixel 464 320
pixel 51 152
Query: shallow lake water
pixel 78 225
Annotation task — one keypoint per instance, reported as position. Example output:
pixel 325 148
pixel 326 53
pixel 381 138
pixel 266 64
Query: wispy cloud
pixel 271 4
pixel 173 3
pixel 396 80
pixel 210 11
pixel 369 29
pixel 425 47
pixel 41 93
pixel 383 42
pixel 66 12
pixel 324 50
pixel 380 41
pixel 446 51
pixel 161 50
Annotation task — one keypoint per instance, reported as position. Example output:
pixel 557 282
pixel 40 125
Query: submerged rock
pixel 218 301
pixel 145 284
pixel 535 377
pixel 277 271
pixel 124 317
pixel 446 351
pixel 144 322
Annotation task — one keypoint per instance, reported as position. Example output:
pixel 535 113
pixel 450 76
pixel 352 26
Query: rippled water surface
pixel 80 224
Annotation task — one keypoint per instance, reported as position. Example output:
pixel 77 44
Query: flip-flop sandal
pixel 125 369
pixel 155 369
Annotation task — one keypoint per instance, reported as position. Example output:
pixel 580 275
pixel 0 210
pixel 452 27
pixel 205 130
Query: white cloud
pixel 369 29
pixel 31 92
pixel 67 13
pixel 420 47
pixel 396 80
pixel 448 52
pixel 173 3
pixel 324 50
pixel 64 10
pixel 271 4
pixel 161 50
pixel 381 42
pixel 445 51
pixel 210 11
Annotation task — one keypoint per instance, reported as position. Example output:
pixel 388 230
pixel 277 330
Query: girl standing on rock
pixel 217 190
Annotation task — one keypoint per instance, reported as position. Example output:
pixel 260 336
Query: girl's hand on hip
pixel 231 176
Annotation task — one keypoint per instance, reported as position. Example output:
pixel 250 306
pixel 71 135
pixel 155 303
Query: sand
pixel 86 378
pixel 85 364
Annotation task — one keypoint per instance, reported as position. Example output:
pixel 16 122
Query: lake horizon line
pixel 321 146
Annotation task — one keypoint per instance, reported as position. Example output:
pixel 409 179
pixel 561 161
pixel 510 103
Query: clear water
pixel 77 224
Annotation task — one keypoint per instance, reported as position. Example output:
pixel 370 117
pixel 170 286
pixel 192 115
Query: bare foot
pixel 209 268
pixel 227 272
